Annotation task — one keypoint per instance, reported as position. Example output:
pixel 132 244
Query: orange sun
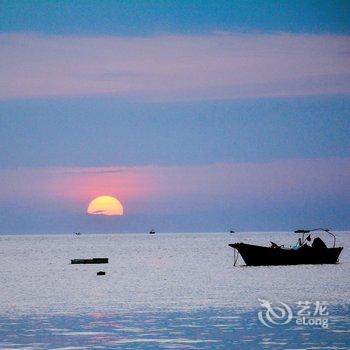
pixel 105 205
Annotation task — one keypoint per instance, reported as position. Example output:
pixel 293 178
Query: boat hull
pixel 254 255
pixel 90 261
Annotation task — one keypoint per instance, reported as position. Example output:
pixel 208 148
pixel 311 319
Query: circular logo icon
pixel 274 315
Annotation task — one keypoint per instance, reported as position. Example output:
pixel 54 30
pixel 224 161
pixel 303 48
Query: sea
pixel 168 291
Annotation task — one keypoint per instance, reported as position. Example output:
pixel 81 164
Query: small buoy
pixel 101 273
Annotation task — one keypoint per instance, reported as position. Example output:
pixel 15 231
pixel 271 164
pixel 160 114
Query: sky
pixel 196 115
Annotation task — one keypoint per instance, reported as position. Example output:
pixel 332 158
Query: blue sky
pixel 197 115
pixel 105 132
pixel 154 17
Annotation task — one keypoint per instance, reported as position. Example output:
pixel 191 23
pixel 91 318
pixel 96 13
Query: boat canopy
pixel 317 229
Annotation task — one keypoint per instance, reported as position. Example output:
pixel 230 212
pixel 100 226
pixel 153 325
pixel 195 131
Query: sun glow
pixel 105 205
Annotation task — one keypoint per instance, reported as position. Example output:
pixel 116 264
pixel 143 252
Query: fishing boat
pixel 304 252
pixel 152 232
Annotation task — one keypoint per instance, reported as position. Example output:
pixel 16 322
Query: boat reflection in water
pixel 302 253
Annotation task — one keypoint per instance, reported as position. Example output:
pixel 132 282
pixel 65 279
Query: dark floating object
pixel 152 232
pixel 101 273
pixel 78 233
pixel 90 261
pixel 301 253
pixel 231 231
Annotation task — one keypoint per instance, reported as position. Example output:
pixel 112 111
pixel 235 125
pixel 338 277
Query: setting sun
pixel 105 205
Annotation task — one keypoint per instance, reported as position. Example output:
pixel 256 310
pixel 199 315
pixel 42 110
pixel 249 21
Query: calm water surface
pixel 162 291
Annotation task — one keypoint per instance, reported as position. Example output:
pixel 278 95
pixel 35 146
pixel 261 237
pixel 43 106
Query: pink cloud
pixel 74 187
pixel 215 66
pixel 167 189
